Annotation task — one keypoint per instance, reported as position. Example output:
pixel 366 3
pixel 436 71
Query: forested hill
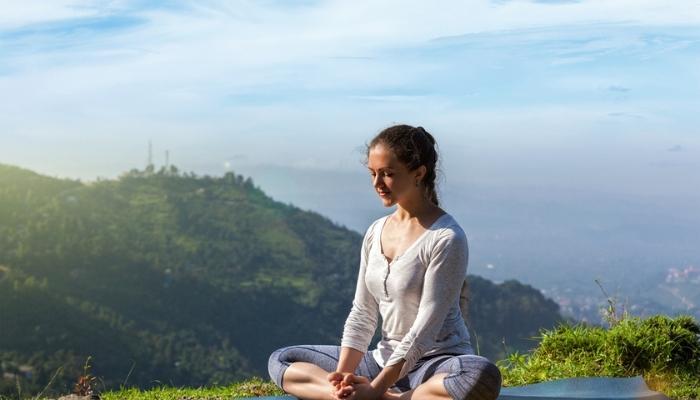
pixel 170 278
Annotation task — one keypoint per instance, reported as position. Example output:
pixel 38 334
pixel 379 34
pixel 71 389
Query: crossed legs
pixel 303 370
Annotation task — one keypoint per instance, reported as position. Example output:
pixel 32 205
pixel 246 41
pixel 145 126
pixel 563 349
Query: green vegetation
pixel 249 388
pixel 665 350
pixel 164 278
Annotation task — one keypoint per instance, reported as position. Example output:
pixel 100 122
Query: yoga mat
pixel 583 388
pixel 569 389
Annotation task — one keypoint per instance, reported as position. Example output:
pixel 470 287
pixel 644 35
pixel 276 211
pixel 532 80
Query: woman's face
pixel 390 177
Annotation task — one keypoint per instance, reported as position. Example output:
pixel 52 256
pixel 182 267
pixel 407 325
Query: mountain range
pixel 163 277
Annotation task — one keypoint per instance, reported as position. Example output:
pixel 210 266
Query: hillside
pixel 170 278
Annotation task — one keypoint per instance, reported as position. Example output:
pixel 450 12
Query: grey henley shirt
pixel 417 295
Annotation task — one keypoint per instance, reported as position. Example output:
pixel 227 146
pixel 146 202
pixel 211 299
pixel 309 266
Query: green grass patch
pixel 249 388
pixel 664 350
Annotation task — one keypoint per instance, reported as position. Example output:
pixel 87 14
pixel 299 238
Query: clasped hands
pixel 348 386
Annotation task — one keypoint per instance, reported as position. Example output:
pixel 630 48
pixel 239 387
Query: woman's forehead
pixel 380 156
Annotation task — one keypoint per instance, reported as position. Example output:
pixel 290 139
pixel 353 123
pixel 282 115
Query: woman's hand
pixel 356 388
pixel 340 386
pixel 336 377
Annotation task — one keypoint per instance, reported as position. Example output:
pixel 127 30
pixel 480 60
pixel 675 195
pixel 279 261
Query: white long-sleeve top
pixel 417 295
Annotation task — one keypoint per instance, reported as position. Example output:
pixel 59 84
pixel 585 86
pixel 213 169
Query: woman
pixel 412 272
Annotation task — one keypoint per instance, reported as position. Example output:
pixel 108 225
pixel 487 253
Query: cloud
pixel 539 1
pixel 22 13
pixel 557 1
pixel 389 98
pixel 676 148
pixel 251 69
pixel 352 58
pixel 626 115
pixel 671 164
pixel 618 89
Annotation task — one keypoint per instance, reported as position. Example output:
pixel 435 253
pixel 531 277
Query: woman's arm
pixel 387 377
pixel 362 320
pixel 360 323
pixel 349 359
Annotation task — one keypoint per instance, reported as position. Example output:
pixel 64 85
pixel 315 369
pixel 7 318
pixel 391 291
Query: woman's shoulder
pixel 370 232
pixel 449 230
pixel 447 239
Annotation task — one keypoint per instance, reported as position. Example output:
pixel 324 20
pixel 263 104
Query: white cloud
pixel 17 14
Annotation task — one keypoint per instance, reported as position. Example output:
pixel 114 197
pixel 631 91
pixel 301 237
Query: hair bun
pixel 426 134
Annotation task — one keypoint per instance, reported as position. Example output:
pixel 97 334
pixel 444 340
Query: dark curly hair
pixel 414 147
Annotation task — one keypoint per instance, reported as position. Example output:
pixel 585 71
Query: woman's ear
pixel 420 173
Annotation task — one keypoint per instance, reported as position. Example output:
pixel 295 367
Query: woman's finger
pixel 335 376
pixel 345 391
pixel 349 379
pixel 360 379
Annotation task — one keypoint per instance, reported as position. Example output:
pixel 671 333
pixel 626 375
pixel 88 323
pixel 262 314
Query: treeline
pixel 170 278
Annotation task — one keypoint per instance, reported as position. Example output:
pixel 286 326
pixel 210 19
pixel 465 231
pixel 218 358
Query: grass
pixel 250 388
pixel 664 350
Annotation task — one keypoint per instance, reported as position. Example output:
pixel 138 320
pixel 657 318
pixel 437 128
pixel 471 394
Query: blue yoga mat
pixel 571 389
pixel 584 388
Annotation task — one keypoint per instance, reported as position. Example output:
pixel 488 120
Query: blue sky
pixel 599 94
pixel 569 131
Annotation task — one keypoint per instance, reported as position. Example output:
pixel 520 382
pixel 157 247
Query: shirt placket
pixel 386 278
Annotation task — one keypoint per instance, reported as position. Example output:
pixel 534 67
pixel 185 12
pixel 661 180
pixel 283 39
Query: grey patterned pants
pixel 470 377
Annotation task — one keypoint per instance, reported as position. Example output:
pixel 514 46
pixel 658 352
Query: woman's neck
pixel 415 210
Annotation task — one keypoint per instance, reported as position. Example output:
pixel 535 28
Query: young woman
pixel 413 267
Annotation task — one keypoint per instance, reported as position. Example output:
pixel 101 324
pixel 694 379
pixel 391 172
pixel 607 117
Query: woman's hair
pixel 413 146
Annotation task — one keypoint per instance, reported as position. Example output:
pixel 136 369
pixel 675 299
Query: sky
pixel 568 131
pixel 589 94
